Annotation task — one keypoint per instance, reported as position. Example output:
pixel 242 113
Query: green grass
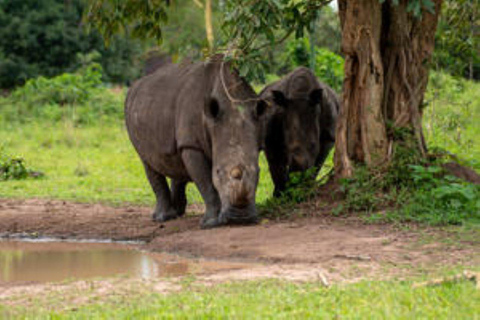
pixel 452 117
pixel 278 300
pixel 87 164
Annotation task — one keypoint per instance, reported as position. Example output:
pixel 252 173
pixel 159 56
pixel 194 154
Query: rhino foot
pixel 226 218
pixel 164 216
pixel 212 223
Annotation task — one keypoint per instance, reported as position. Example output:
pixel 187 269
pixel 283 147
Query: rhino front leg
pixel 179 199
pixel 200 172
pixel 163 209
pixel 278 171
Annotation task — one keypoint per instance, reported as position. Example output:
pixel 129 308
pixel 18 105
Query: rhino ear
pixel 212 109
pixel 315 96
pixel 260 109
pixel 279 98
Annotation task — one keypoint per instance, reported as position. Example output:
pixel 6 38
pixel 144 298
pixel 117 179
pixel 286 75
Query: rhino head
pixel 301 127
pixel 232 112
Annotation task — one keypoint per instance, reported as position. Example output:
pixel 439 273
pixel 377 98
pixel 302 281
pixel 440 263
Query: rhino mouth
pixel 239 215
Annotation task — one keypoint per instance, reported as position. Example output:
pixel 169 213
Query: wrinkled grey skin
pixel 299 131
pixel 185 127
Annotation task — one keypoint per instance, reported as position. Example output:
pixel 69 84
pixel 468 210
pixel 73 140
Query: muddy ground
pixel 318 247
pixel 320 239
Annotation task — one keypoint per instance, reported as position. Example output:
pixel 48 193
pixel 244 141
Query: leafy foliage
pixel 249 27
pixel 252 26
pixel 328 65
pixel 420 192
pixel 144 18
pixel 68 88
pixel 326 32
pixel 45 38
pixel 78 96
pixel 301 187
pixel 14 168
pixel 457 41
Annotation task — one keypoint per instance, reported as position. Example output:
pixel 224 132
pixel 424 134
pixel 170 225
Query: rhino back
pixel 159 105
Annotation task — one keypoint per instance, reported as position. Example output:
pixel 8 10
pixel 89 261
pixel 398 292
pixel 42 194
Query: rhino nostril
pixel 297 152
pixel 236 173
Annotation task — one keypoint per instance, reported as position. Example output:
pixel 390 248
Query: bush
pixel 68 88
pixel 44 38
pixel 329 68
pixel 328 65
pixel 301 187
pixel 80 97
pixel 14 168
pixel 417 190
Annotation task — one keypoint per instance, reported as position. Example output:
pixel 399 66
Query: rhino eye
pixel 213 109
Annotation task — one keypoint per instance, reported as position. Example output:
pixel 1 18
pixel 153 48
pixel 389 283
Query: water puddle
pixel 37 262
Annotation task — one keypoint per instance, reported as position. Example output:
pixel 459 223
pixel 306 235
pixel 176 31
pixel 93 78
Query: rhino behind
pixel 299 131
pixel 185 126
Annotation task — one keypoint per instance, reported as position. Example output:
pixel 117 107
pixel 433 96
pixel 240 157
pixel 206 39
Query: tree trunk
pixel 208 23
pixel 387 51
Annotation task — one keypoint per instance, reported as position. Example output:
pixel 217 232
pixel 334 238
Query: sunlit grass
pixel 87 164
pixel 278 300
pixel 452 117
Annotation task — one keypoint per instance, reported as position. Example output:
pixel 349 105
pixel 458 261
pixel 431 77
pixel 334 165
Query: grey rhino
pixel 299 131
pixel 198 122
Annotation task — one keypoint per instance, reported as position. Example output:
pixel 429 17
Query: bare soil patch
pixel 342 249
pixel 69 220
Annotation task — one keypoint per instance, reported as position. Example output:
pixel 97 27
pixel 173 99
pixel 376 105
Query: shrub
pixel 301 187
pixel 80 97
pixel 416 192
pixel 67 88
pixel 45 38
pixel 14 168
pixel 328 65
pixel 329 68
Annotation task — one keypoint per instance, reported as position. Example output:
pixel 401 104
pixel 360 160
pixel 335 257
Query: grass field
pixel 276 300
pixel 87 164
pixel 451 119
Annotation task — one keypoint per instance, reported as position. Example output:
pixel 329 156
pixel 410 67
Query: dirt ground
pixel 320 239
pixel 320 248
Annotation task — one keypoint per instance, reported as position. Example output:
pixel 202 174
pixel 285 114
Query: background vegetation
pixel 48 38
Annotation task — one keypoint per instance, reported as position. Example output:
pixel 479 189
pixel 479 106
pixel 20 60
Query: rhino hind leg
pixel 163 209
pixel 179 198
pixel 200 170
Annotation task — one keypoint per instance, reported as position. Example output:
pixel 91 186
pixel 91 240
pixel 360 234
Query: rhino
pixel 198 122
pixel 299 131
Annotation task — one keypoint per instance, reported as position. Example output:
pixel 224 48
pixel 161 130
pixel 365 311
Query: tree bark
pixel 387 51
